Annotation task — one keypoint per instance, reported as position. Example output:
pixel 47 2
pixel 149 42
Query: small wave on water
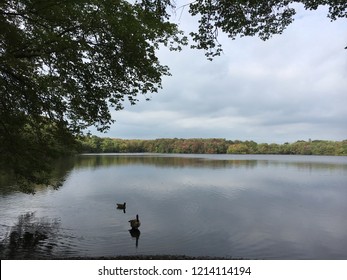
pixel 33 237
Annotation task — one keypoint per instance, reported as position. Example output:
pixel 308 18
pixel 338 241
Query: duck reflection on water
pixel 135 234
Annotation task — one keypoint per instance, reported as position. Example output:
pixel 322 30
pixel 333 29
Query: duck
pixel 135 223
pixel 121 205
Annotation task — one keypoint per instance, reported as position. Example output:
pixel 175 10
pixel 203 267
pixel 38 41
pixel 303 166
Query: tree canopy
pixel 64 64
pixel 94 144
pixel 250 18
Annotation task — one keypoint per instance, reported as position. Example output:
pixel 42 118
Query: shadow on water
pixel 55 178
pixel 32 238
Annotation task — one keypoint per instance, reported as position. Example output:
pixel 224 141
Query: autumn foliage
pixel 94 144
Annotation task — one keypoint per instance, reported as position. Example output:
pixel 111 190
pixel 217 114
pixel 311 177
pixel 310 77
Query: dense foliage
pixel 94 144
pixel 64 64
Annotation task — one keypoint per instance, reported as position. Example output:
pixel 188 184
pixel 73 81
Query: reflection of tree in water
pixel 200 161
pixel 31 238
pixel 54 178
pixel 159 160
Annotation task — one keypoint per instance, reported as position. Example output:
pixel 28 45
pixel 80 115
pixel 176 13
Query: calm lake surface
pixel 242 206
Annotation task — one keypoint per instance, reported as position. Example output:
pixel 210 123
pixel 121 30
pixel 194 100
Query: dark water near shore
pixel 252 206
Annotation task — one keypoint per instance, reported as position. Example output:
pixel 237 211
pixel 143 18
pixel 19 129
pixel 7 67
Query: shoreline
pixel 135 257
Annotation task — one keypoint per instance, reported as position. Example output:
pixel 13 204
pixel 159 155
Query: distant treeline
pixel 94 144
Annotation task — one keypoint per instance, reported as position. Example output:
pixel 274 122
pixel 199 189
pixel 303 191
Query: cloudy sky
pixel 291 87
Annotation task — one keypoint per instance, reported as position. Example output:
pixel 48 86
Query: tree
pixel 239 148
pixel 65 63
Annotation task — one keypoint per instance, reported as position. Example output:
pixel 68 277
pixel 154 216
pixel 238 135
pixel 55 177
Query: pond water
pixel 242 206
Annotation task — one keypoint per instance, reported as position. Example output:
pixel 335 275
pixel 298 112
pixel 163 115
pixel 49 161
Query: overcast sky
pixel 291 87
